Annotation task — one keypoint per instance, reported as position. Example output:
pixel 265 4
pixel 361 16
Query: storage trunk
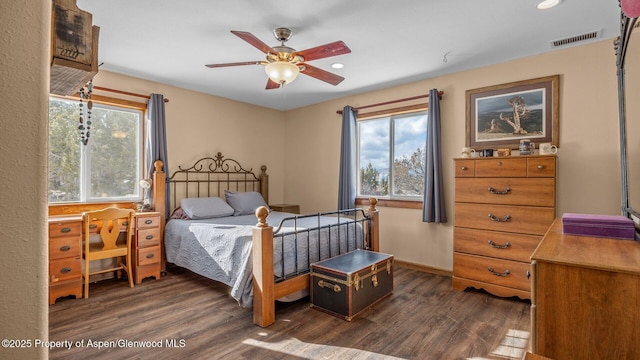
pixel 611 226
pixel 348 284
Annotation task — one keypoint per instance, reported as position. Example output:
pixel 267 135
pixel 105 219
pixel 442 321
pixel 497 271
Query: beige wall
pixel 24 88
pixel 589 174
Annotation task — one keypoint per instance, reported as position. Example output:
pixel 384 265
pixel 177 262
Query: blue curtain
pixel 347 180
pixel 433 207
pixel 156 146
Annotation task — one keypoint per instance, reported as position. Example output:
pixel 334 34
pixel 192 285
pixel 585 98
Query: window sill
pixel 404 204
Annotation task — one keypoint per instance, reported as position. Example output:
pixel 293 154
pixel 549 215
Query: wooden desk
pixel 65 252
pixel 586 297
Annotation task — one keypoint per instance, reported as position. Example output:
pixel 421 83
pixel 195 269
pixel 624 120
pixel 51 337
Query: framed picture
pixel 500 116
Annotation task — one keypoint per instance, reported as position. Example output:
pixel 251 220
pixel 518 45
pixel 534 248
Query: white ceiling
pixel 392 42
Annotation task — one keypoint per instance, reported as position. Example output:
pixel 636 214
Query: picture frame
pixel 499 116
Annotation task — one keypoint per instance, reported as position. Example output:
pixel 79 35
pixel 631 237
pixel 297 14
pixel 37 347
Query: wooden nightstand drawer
pixel 64 247
pixel 148 255
pixel 148 237
pixel 147 221
pixel 290 208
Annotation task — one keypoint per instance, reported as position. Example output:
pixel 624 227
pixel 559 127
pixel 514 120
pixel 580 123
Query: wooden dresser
pixel 586 297
pixel 503 207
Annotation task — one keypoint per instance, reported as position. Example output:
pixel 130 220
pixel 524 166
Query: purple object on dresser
pixel 611 226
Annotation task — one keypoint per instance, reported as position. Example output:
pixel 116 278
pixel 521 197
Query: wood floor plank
pixel 423 319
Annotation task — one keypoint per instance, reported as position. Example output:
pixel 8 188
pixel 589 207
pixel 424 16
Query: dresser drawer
pixel 148 237
pixel 64 247
pixel 64 228
pixel 148 255
pixel 465 168
pixel 506 191
pixel 541 167
pixel 64 269
pixel 510 246
pixel 501 167
pixel 506 218
pixel 147 221
pixel 512 274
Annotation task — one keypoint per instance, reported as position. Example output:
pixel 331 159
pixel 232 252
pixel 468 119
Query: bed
pixel 261 255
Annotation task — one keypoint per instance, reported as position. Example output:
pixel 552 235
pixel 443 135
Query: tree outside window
pixel 108 168
pixel 391 156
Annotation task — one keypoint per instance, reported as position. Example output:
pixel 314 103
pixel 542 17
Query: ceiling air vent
pixel 575 39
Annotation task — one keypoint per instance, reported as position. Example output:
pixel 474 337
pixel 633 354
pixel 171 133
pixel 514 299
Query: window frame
pixel 387 201
pixel 84 172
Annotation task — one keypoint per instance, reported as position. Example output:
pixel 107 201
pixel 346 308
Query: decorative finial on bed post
pixel 262 213
pixel 372 203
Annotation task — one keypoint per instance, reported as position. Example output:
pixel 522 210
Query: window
pixel 391 154
pixel 108 168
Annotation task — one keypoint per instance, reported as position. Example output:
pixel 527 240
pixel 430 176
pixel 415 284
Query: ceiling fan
pixel 282 63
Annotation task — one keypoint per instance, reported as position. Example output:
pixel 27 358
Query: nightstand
pixel 290 208
pixel 146 246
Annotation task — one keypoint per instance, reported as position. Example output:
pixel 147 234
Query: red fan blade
pixel 234 64
pixel 324 51
pixel 272 85
pixel 251 39
pixel 320 74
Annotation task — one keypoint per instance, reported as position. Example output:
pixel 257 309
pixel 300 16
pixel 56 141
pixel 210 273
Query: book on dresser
pixel 503 207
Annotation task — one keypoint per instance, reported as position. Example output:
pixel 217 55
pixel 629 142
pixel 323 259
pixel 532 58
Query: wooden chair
pixel 109 225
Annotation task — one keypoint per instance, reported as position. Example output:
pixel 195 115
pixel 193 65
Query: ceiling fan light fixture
pixel 282 72
pixel 548 4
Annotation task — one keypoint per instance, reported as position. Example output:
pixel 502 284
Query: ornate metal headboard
pixel 211 176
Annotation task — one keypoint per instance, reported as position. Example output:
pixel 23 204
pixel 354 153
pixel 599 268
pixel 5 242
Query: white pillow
pixel 205 208
pixel 244 203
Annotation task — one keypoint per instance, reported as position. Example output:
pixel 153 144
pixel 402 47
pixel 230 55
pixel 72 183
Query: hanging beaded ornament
pixel 85 121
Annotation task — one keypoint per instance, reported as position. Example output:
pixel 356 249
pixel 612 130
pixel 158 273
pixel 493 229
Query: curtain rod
pixel 440 93
pixel 125 93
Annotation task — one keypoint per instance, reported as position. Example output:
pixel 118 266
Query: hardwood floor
pixel 423 319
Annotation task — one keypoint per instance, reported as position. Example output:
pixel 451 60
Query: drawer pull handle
pixel 463 168
pixel 149 237
pixel 499 163
pixel 498 192
pixel 335 287
pixel 65 270
pixel 496 246
pixel 540 167
pixel 528 274
pixel 125 223
pixel 65 248
pixel 93 226
pixel 148 222
pixel 497 219
pixel 505 273
pixel 149 256
pixel 65 230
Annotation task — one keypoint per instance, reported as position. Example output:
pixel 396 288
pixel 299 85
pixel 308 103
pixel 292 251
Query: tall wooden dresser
pixel 503 207
pixel 586 297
